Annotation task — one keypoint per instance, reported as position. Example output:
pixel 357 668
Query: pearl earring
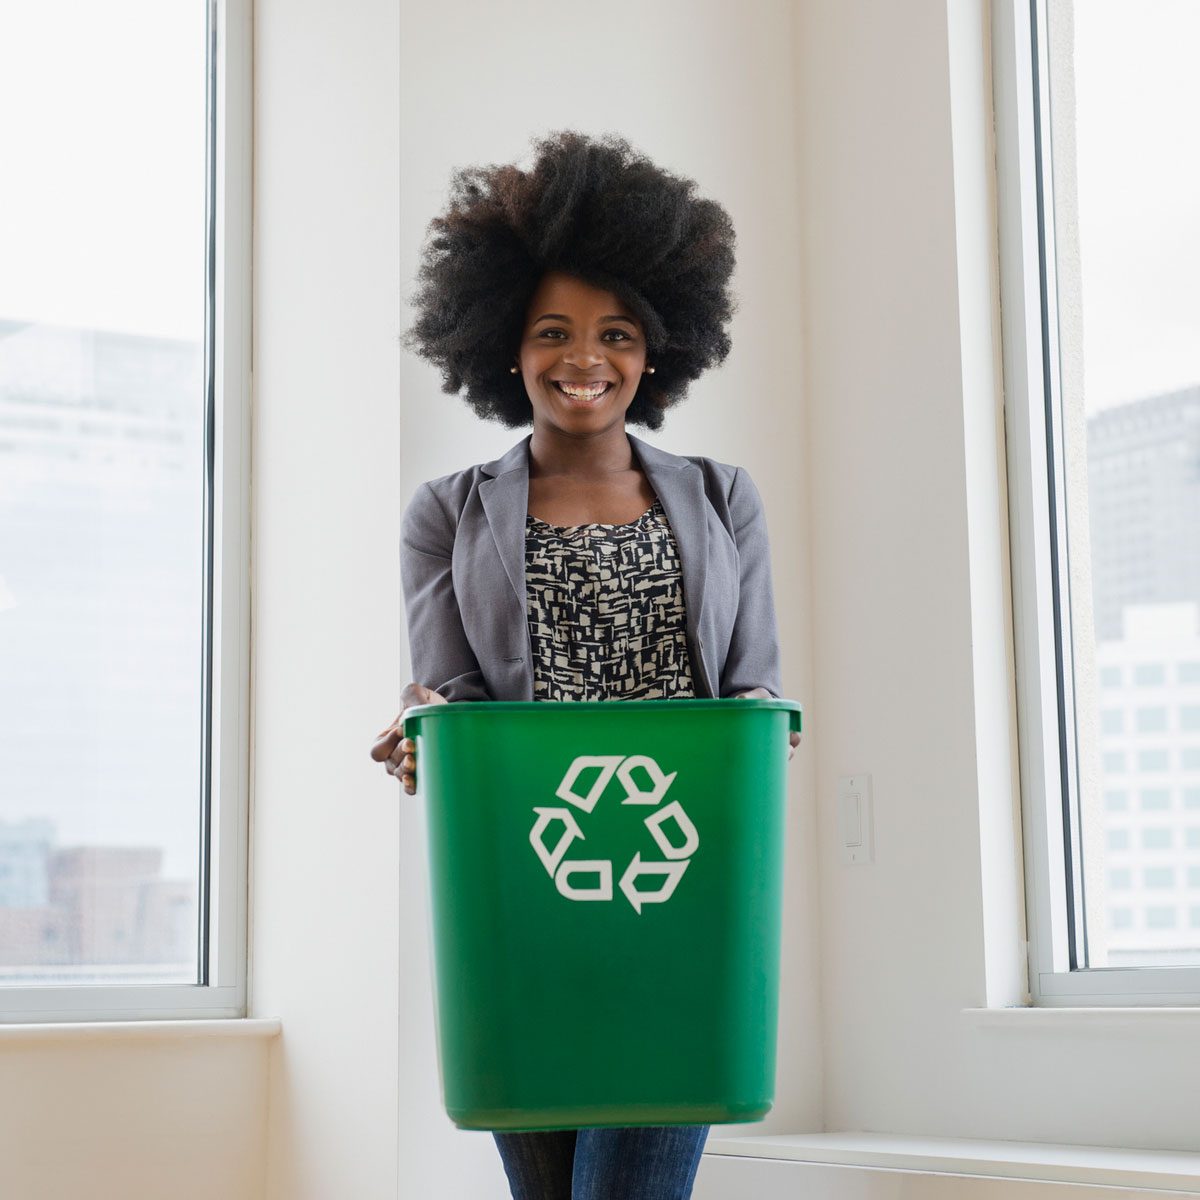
pixel 513 370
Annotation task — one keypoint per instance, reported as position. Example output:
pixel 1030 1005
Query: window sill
pixel 1043 1161
pixel 1149 1016
pixel 53 1031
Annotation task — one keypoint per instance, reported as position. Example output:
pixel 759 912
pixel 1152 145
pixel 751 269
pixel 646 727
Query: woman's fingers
pixel 397 752
pixel 407 765
pixel 403 764
pixel 385 741
pixel 406 747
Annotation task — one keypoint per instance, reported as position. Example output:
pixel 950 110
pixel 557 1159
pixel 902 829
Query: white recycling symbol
pixel 561 869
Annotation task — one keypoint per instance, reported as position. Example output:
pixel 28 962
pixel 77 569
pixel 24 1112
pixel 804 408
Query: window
pixel 1155 799
pixel 1116 800
pixel 124 581
pixel 1099 257
pixel 1160 916
pixel 1149 761
pixel 1151 720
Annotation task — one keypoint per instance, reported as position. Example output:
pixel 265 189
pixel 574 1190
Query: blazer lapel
pixel 678 483
pixel 505 499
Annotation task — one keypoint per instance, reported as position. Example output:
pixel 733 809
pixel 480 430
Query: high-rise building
pixel 101 639
pixel 1144 518
pixel 1144 504
pixel 1150 772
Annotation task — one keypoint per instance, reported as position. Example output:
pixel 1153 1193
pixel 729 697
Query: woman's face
pixel 578 335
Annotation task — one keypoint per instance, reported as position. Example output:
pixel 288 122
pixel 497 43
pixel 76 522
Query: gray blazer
pixel 462 567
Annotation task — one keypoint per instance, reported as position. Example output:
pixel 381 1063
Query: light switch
pixel 854 818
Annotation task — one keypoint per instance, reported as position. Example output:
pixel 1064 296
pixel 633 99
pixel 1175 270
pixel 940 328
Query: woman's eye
pixel 622 335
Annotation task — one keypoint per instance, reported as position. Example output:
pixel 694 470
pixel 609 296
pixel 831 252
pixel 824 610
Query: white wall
pixel 326 582
pixel 909 617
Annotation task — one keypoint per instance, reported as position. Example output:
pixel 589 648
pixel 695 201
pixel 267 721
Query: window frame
pixel 1046 727
pixel 224 791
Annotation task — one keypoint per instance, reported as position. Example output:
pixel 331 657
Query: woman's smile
pixel 578 396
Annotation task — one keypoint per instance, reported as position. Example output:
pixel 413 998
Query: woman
pixel 584 563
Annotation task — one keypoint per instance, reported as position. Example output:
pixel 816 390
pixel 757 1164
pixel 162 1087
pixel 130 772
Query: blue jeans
pixel 640 1162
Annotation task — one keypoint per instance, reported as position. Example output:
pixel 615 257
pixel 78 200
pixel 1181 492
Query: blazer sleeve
pixel 754 658
pixel 441 656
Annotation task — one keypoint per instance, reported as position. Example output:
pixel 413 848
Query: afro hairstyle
pixel 596 209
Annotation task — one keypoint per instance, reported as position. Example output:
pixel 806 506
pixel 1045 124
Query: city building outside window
pixel 1100 252
pixel 124 389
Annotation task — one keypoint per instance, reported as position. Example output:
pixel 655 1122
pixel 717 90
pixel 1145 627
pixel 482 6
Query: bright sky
pixel 103 153
pixel 1138 97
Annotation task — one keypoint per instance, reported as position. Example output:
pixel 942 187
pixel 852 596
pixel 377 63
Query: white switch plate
pixel 855 819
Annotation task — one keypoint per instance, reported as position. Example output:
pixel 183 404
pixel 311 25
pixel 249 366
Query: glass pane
pixel 102 305
pixel 1125 96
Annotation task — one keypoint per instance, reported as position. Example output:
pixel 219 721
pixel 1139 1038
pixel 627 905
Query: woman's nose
pixel 582 354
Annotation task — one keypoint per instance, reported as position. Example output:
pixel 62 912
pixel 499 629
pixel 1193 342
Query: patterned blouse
pixel 606 610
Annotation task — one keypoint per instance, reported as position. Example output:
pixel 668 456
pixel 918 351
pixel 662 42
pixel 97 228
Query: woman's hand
pixel 397 752
pixel 760 693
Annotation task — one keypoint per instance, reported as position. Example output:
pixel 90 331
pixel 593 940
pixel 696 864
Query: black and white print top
pixel 606 610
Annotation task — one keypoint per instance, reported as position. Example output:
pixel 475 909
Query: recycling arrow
pixel 634 794
pixel 691 839
pixel 571 831
pixel 606 762
pixel 672 870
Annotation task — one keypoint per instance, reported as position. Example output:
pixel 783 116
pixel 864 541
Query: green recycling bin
pixel 606 883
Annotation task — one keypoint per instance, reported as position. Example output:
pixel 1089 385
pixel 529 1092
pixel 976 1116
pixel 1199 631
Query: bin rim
pixel 419 712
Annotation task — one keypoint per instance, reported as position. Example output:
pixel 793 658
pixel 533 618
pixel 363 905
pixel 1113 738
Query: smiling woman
pixel 593 209
pixel 583 564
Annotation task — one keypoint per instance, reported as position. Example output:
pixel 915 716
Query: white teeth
pixel 582 393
